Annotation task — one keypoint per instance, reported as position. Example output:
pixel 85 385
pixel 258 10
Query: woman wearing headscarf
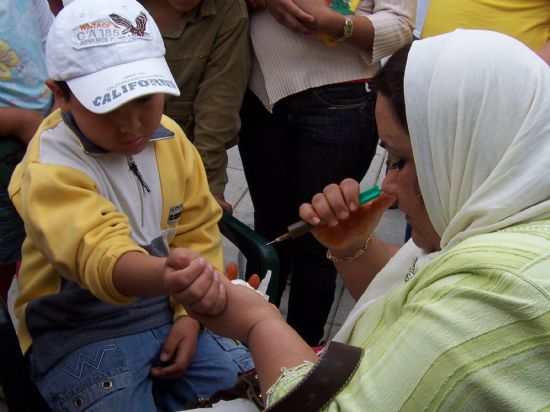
pixel 459 317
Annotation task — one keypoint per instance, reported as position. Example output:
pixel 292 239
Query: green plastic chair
pixel 260 257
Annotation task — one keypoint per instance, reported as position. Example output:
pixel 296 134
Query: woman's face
pixel 401 180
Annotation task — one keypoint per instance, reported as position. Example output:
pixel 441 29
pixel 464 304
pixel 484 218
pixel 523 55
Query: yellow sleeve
pixel 76 229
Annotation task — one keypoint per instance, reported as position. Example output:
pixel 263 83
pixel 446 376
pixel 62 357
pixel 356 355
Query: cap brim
pixel 108 89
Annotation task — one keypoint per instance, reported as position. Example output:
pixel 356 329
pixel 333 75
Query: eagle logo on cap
pixel 137 30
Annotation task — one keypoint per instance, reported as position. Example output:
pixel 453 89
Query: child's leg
pixel 111 375
pixel 216 364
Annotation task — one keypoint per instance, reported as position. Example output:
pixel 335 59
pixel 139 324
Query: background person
pixel 526 20
pixel 207 50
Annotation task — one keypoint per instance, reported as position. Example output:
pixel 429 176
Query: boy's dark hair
pixel 64 88
pixel 389 82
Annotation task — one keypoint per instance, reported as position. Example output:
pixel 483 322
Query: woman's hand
pixel 289 14
pixel 347 225
pixel 178 350
pixel 255 4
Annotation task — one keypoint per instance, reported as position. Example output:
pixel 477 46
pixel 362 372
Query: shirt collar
pixel 205 9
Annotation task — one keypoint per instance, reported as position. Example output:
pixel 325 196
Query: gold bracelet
pixel 355 256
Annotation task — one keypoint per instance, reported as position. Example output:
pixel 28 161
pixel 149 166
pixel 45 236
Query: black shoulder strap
pixel 333 370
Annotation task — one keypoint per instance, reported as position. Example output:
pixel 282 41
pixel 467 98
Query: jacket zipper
pixel 144 187
pixel 133 167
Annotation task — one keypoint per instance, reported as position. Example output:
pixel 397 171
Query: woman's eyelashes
pixel 394 163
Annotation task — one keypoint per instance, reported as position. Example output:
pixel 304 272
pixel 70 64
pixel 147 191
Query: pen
pixel 302 227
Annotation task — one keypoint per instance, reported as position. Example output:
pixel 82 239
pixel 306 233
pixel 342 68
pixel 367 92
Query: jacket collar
pixel 92 149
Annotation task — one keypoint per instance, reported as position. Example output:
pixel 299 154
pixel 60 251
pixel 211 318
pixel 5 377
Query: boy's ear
pixel 59 96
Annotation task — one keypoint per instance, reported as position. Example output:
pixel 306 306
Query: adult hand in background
pixel 256 4
pixel 220 198
pixel 21 123
pixel 289 14
pixel 544 52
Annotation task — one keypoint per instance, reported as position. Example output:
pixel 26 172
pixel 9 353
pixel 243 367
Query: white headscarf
pixel 478 112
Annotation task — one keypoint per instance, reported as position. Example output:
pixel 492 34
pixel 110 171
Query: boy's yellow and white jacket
pixel 83 208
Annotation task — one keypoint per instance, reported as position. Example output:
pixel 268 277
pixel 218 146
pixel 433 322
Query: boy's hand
pixel 196 286
pixel 178 350
pixel 179 258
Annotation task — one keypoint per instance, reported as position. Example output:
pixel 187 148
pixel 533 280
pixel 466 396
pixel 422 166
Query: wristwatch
pixel 347 30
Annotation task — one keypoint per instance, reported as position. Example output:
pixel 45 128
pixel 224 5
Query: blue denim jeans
pixel 311 139
pixel 113 375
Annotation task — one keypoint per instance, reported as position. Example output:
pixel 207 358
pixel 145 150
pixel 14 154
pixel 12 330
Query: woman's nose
pixel 389 183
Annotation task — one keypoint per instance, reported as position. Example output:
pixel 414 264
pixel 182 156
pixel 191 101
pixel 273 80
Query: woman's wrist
pixel 350 253
pixel 330 23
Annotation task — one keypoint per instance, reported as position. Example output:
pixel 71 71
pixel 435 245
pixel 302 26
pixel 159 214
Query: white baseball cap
pixel 109 52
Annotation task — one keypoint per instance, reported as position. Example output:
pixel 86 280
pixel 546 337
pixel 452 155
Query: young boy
pixel 110 191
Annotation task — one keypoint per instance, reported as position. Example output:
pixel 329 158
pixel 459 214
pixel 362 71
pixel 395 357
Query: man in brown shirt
pixel 207 50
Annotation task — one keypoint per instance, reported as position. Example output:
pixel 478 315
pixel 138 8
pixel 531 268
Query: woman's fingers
pixel 350 191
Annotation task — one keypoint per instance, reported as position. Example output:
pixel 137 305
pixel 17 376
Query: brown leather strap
pixel 332 371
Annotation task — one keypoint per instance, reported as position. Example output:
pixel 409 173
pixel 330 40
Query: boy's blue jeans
pixel 113 375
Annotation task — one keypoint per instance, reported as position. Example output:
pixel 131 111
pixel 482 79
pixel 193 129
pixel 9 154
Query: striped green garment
pixel 471 331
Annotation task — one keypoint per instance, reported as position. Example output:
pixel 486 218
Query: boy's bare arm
pixel 20 123
pixel 138 274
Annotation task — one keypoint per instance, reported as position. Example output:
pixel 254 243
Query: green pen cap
pixel 369 194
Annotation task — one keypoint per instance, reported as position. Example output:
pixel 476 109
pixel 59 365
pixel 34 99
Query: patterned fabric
pixel 23 26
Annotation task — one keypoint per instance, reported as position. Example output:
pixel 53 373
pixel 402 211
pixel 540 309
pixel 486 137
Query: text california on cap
pixel 109 52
